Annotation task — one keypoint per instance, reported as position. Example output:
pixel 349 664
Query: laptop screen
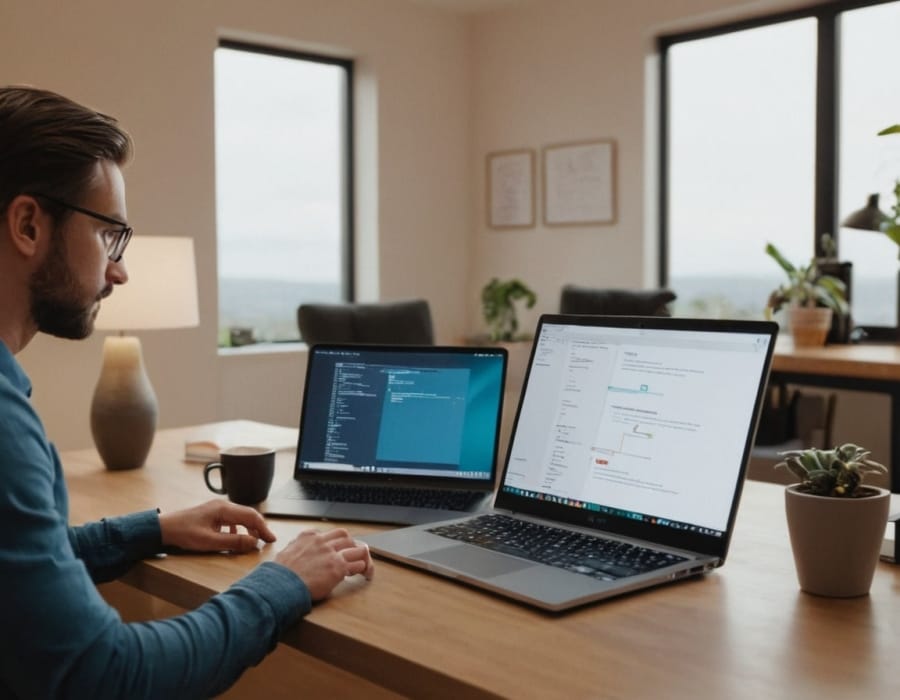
pixel 402 411
pixel 639 424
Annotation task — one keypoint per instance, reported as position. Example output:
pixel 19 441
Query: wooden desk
pixel 745 631
pixel 864 367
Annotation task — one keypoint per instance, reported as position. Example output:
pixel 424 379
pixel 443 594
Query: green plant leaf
pixel 895 129
pixel 775 254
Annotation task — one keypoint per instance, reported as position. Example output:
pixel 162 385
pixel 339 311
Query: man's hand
pixel 213 527
pixel 323 560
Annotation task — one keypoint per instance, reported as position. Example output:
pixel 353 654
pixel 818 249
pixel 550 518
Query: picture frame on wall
pixel 579 183
pixel 510 189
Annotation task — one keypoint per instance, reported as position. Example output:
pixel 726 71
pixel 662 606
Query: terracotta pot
pixel 809 325
pixel 836 541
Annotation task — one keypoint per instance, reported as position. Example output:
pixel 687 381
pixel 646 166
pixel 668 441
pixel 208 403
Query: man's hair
pixel 50 145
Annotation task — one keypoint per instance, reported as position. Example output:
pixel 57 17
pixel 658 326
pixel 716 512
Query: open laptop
pixel 396 434
pixel 625 465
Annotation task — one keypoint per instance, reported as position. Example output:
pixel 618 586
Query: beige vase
pixel 836 541
pixel 809 325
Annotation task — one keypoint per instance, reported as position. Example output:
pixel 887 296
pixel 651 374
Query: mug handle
pixel 211 467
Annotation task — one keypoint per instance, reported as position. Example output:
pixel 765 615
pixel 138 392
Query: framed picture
pixel 580 183
pixel 510 189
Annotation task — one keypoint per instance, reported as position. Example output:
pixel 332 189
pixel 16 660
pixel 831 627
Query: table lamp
pixel 161 292
pixel 871 218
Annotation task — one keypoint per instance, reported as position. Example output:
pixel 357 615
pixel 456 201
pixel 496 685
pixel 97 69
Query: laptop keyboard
pixel 599 557
pixel 440 499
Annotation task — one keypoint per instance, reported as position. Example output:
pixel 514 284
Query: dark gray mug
pixel 246 473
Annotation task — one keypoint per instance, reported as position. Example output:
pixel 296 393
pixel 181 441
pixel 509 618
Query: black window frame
pixel 348 255
pixel 827 140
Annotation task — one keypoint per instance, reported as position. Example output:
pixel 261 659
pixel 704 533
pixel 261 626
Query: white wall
pixel 151 65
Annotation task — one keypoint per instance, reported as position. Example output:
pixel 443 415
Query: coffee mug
pixel 246 473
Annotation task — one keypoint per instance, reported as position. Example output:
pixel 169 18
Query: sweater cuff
pixel 284 591
pixel 141 531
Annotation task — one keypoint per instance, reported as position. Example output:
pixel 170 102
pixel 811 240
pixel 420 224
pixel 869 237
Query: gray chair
pixel 791 420
pixel 615 302
pixel 387 323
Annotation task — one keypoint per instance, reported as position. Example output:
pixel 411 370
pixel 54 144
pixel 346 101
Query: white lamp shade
pixel 161 291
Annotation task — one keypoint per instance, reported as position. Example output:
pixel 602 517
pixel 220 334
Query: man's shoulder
pixel 22 435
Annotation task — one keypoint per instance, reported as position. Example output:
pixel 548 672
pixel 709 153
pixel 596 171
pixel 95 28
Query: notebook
pixel 625 465
pixel 399 434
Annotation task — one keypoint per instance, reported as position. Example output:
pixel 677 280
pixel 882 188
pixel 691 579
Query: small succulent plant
pixel 838 472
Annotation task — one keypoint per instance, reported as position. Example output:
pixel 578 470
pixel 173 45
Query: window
pixel 283 187
pixel 751 152
pixel 870 164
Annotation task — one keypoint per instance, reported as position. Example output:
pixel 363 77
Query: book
pixel 206 443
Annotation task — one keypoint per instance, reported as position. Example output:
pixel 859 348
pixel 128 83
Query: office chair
pixel 615 302
pixel 388 323
pixel 791 420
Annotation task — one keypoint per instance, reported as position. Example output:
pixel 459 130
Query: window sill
pixel 257 349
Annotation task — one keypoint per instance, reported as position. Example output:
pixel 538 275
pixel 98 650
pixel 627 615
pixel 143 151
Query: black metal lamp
pixel 871 218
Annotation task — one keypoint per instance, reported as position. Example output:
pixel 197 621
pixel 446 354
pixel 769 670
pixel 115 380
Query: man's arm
pixel 59 638
pixel 111 546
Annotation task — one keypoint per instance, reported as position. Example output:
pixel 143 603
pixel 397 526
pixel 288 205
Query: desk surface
pixel 745 631
pixel 862 361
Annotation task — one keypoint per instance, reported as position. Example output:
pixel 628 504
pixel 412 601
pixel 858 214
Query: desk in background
pixel 745 631
pixel 863 367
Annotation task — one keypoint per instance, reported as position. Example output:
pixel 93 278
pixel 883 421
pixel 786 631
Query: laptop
pixel 396 434
pixel 625 465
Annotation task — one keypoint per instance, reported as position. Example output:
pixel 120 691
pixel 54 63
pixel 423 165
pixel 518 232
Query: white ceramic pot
pixel 836 541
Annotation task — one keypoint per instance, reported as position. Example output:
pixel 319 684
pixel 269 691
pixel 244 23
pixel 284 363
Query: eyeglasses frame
pixel 116 250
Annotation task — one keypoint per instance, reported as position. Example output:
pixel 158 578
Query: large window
pixel 283 179
pixel 769 134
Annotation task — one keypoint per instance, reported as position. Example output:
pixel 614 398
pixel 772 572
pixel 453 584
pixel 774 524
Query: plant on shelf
pixel 812 297
pixel 838 472
pixel 835 524
pixel 498 306
pixel 806 285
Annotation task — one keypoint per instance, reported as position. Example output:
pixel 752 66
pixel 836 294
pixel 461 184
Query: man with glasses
pixel 63 233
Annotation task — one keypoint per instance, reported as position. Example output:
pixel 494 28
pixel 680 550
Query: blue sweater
pixel 58 637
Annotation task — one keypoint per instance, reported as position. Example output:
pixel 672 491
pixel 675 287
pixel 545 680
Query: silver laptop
pixel 625 465
pixel 398 434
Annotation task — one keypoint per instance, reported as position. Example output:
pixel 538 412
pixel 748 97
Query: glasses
pixel 115 239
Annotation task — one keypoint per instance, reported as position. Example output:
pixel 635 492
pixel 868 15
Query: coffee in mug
pixel 245 473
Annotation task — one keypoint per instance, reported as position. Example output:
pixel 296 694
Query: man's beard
pixel 55 295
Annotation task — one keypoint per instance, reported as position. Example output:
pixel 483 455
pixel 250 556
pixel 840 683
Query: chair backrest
pixel 615 302
pixel 389 323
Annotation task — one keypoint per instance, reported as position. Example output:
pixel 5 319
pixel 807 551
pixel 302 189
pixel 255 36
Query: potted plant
pixel 811 296
pixel 498 306
pixel 836 524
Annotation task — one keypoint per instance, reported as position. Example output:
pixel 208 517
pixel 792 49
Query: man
pixel 62 236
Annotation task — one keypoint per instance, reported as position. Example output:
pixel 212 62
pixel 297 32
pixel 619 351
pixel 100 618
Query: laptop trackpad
pixel 474 561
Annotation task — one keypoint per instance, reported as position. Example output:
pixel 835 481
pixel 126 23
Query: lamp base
pixel 124 408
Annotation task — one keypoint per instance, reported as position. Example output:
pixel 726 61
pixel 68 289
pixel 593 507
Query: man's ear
pixel 25 222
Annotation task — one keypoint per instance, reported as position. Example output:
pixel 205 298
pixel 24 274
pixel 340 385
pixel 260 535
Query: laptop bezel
pixel 418 480
pixel 679 539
